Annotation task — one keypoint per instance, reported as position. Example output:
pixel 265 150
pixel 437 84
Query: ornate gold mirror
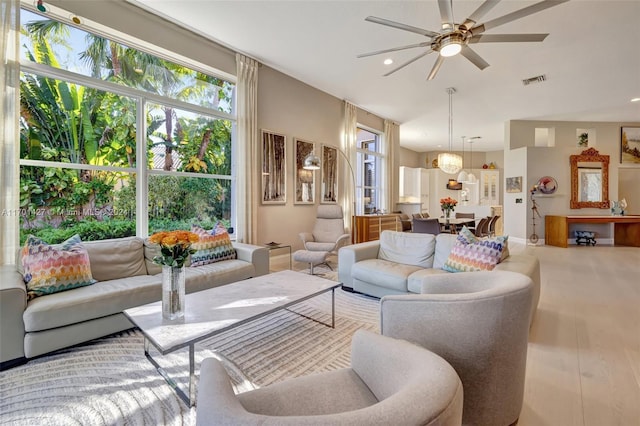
pixel 589 180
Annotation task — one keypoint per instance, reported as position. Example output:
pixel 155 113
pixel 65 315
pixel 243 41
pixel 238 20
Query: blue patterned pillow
pixel 481 255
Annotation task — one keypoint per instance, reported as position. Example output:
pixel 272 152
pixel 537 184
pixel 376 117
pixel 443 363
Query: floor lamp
pixel 312 162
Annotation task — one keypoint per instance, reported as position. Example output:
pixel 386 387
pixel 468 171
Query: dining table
pixel 455 223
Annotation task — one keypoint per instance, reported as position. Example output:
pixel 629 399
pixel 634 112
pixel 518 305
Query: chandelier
pixel 449 162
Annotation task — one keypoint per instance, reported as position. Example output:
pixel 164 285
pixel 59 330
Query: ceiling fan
pixel 456 38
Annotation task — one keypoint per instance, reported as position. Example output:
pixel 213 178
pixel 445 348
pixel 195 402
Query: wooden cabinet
pixel 369 227
pixel 490 187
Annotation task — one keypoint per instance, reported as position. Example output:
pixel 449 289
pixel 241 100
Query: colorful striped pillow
pixel 480 255
pixel 50 269
pixel 211 248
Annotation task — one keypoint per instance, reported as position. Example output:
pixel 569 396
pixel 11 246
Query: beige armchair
pixel 389 382
pixel 479 323
pixel 328 232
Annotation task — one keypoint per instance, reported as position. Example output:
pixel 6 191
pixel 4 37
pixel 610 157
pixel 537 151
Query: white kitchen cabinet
pixel 490 187
pixel 409 190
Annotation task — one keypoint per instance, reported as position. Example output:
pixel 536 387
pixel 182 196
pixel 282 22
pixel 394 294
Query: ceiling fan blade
pixel 409 62
pixel 394 49
pixel 507 38
pixel 471 55
pixel 436 68
pixel 479 13
pixel 446 13
pixel 400 26
pixel 534 8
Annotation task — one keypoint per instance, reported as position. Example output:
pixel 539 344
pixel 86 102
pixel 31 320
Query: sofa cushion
pixel 49 269
pixel 87 303
pixel 407 248
pixel 383 273
pixel 482 255
pixel 211 248
pixel 217 274
pixel 444 244
pixel 116 258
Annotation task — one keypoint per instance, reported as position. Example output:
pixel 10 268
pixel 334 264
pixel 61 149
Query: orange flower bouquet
pixel 175 247
pixel 448 204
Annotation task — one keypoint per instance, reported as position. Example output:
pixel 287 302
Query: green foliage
pixel 70 123
pixel 88 231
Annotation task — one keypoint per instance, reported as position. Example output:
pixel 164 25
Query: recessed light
pixel 635 100
pixel 388 61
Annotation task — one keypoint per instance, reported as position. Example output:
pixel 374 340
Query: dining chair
pixel 492 225
pixel 471 225
pixel 426 226
pixel 482 228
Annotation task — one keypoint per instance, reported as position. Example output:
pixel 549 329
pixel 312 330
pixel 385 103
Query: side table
pixel 272 247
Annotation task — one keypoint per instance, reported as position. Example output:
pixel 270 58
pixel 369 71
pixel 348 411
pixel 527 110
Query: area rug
pixel 110 382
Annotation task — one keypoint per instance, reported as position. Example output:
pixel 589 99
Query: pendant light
pixel 449 162
pixel 463 176
pixel 471 177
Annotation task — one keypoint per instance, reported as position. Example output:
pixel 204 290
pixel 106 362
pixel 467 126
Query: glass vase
pixel 173 292
pixel 447 214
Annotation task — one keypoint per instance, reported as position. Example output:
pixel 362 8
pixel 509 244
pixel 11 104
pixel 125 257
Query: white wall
pixel 554 161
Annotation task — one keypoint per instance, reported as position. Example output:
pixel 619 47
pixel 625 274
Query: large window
pixel 369 165
pixel 115 141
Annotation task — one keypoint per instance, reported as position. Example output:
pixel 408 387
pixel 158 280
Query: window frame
pixel 141 171
pixel 379 162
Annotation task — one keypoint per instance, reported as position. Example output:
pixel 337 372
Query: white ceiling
pixel 591 60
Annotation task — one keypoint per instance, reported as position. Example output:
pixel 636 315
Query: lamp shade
pixel 472 178
pixel 463 176
pixel 312 162
pixel 449 163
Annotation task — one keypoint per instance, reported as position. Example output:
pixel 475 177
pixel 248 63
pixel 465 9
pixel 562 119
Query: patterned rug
pixel 110 382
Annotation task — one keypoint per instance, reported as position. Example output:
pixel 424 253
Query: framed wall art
pixel 274 171
pixel 329 185
pixel 514 184
pixel 305 180
pixel 630 145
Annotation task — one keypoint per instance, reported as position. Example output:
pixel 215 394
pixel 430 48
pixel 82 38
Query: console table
pixel 626 229
pixel 369 227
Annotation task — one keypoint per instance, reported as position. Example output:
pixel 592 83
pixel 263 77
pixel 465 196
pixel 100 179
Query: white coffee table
pixel 214 311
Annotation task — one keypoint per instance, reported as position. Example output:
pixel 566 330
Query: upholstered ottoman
pixel 313 258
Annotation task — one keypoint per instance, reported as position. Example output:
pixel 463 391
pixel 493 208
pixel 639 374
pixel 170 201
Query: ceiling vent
pixel 536 79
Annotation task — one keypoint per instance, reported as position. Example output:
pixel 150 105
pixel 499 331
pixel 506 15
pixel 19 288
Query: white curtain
pixel 247 152
pixel 391 143
pixel 9 133
pixel 349 150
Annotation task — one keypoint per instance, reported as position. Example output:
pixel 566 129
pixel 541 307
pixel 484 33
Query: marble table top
pixel 218 309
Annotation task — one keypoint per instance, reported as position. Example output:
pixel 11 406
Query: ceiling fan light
pixel 450 45
pixel 449 163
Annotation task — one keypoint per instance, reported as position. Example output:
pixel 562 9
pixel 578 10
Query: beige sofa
pixel 404 262
pixel 126 278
